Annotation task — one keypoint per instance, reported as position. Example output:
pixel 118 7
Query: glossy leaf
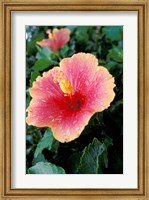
pixel 43 52
pixel 81 34
pixel 64 51
pixel 31 45
pixel 103 160
pixel 116 54
pixel 42 64
pixel 71 28
pixel 55 146
pixel 39 158
pixel 113 33
pixel 45 168
pixel 45 143
pixel 89 161
pixel 107 141
pixel 34 75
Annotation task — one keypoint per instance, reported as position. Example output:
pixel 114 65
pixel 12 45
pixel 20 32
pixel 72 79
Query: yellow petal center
pixel 66 87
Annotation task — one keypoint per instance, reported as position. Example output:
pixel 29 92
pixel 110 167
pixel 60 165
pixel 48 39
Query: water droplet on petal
pixel 86 83
pixel 44 101
pixel 67 131
pixel 74 122
pixel 96 83
pixel 77 129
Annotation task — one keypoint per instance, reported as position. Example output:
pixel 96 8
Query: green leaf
pixel 40 65
pixel 43 52
pixel 31 46
pixel 99 118
pixel 117 70
pixel 55 146
pixel 45 143
pixel 64 51
pixel 45 168
pixel 89 161
pixel 99 51
pixel 81 34
pixel 93 159
pixel 34 132
pixel 111 64
pixel 103 162
pixel 107 141
pixel 55 55
pixel 34 75
pixel 103 159
pixel 113 33
pixel 116 54
pixel 39 158
pixel 43 64
pixel 116 105
pixel 28 98
pixel 71 27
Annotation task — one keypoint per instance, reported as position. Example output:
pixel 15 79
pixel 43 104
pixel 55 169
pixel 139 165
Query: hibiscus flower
pixel 57 38
pixel 66 97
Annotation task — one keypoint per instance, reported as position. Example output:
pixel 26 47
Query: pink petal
pixel 47 101
pixel 94 82
pixel 61 36
pixel 100 93
pixel 70 126
pixel 44 43
pixel 58 39
pixel 80 69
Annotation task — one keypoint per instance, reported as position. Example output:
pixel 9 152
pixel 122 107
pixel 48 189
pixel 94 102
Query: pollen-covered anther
pixel 50 35
pixel 57 75
pixel 66 87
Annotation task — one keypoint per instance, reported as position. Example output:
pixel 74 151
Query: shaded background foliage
pixel 99 149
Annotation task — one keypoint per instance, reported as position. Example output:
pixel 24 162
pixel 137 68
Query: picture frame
pixel 7 7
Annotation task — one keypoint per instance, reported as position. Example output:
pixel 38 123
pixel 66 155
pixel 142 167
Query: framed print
pixel 74 93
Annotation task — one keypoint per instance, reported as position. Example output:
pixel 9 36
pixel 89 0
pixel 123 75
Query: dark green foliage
pixel 45 168
pixel 113 33
pixel 99 149
pixel 91 161
pixel 45 143
pixel 64 51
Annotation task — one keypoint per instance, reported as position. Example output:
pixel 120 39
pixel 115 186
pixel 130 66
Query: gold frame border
pixel 7 6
